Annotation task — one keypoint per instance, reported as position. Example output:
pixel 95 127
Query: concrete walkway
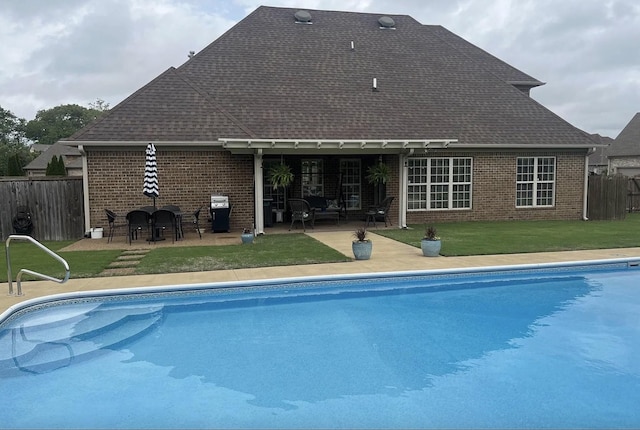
pixel 388 256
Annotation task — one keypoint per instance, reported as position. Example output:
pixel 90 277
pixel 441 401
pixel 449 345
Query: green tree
pixel 51 125
pixel 55 167
pixel 13 144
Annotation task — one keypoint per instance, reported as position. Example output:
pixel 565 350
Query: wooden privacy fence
pixel 56 206
pixel 607 197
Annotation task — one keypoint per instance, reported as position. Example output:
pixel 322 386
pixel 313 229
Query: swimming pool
pixel 530 346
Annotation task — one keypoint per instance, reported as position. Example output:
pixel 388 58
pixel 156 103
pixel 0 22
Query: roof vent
pixel 303 17
pixel 387 22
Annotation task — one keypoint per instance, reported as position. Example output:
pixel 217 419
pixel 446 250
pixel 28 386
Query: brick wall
pixel 187 179
pixel 494 190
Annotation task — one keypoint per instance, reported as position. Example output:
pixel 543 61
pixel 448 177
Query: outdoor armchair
pixel 138 221
pixel 380 212
pixel 301 211
pixel 114 223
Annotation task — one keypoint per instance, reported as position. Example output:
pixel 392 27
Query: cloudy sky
pixel 55 52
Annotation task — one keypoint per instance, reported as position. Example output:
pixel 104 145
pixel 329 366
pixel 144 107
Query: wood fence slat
pixel 56 206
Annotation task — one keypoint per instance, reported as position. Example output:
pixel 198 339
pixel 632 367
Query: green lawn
pixel 275 250
pixel 461 238
pixel 509 237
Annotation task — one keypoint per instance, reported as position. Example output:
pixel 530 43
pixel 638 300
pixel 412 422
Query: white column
pixel 402 191
pixel 258 193
pixel 85 189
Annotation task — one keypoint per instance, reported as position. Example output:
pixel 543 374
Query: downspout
pixel 585 187
pixel 85 189
pixel 258 193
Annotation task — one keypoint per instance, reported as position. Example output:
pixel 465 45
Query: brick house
pixel 331 94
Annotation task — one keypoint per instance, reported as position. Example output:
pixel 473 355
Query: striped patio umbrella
pixel 151 188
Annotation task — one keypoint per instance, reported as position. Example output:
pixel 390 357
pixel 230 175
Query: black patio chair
pixel 138 221
pixel 301 211
pixel 380 212
pixel 162 220
pixel 178 213
pixel 114 224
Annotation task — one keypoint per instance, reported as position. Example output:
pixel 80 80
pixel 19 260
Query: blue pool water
pixel 544 348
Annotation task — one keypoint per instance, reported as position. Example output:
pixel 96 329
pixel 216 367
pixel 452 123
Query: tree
pixel 51 125
pixel 56 167
pixel 13 144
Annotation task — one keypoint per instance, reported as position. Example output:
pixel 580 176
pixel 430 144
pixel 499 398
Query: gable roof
pixel 599 155
pixel 41 161
pixel 269 77
pixel 628 141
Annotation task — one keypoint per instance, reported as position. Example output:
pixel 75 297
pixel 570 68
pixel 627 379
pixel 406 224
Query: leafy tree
pixel 51 125
pixel 13 144
pixel 14 165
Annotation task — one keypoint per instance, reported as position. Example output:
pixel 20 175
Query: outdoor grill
pixel 220 213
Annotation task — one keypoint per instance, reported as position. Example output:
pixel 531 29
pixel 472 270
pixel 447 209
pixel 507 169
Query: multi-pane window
pixel 351 183
pixel 535 181
pixel 312 178
pixel 439 183
pixel 277 194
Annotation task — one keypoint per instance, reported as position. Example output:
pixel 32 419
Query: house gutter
pixel 585 186
pixel 85 189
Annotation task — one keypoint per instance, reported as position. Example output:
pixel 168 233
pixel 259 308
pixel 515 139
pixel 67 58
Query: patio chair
pixel 162 220
pixel 178 213
pixel 380 212
pixel 112 219
pixel 138 221
pixel 301 211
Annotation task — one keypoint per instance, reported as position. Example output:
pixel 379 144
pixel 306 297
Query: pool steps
pixel 52 342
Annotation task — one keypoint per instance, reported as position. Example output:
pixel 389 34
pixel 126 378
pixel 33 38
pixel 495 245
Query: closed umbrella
pixel 151 188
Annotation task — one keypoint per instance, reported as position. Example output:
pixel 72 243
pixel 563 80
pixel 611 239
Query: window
pixel 535 181
pixel 439 183
pixel 312 178
pixel 351 183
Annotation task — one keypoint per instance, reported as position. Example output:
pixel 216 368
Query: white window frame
pixel 312 178
pixel 536 186
pixel 351 183
pixel 426 182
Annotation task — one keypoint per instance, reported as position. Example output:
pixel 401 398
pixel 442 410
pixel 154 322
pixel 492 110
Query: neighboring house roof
pixel 269 77
pixel 70 154
pixel 628 141
pixel 599 156
pixel 39 147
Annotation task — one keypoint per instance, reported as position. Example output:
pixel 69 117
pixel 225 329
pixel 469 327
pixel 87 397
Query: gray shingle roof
pixel 269 77
pixel 57 149
pixel 628 141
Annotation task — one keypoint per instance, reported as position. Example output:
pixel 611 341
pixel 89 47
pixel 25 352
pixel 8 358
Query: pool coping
pixel 237 285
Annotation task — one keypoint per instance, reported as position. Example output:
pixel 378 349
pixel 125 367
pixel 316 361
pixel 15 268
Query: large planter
pixel 247 237
pixel 362 250
pixel 430 248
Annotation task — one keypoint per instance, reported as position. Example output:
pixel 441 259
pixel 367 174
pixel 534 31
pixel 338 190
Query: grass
pixel 276 250
pixel 511 237
pixel 458 239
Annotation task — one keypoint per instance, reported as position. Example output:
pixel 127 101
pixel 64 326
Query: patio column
pixel 258 193
pixel 402 190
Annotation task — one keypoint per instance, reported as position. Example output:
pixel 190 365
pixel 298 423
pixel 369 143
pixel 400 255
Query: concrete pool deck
pixel 388 256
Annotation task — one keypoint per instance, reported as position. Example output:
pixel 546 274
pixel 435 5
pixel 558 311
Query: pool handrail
pixel 31 272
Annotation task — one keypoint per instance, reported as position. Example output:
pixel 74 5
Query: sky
pixel 55 52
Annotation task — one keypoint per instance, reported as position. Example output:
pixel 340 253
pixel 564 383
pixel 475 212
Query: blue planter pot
pixel 362 250
pixel 247 237
pixel 430 248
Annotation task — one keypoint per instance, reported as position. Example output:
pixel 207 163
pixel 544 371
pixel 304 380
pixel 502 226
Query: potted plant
pixel 361 246
pixel 280 176
pixel 430 243
pixel 378 175
pixel 247 235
